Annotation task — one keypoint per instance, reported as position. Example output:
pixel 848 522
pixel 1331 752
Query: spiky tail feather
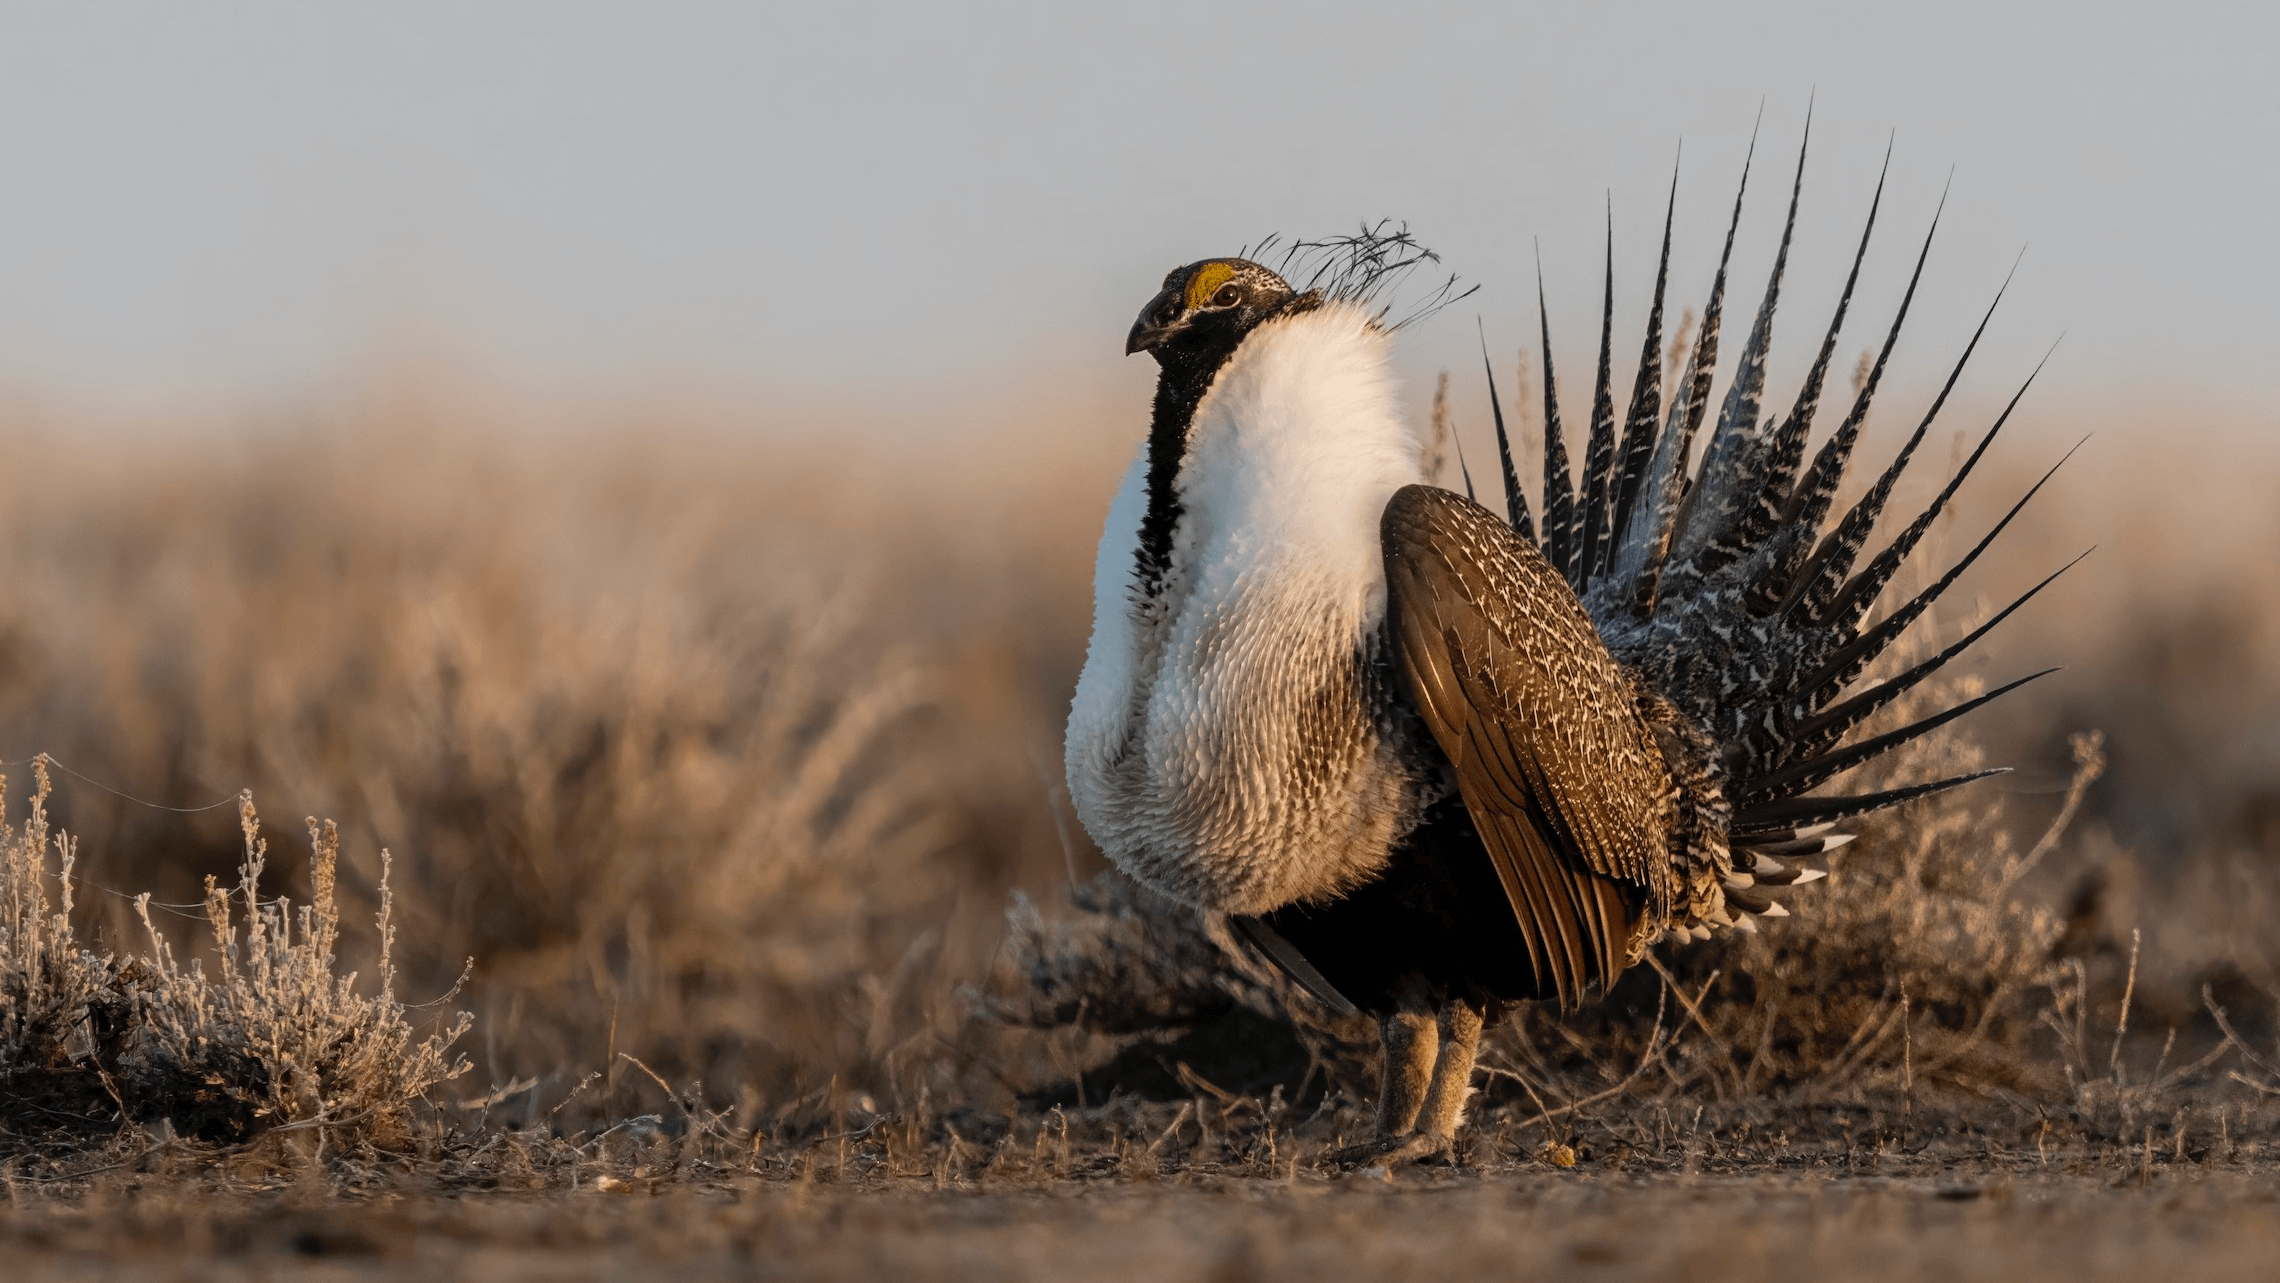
pixel 1722 590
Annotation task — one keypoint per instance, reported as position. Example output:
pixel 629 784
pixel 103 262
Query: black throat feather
pixel 1179 389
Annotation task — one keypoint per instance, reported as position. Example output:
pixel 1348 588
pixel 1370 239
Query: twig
pixel 1694 1005
pixel 1542 1112
pixel 319 1121
pixel 583 1084
pixel 2122 1020
pixel 2209 999
pixel 498 1095
pixel 1186 1107
pixel 1194 1081
pixel 2246 1081
pixel 1654 1049
pixel 669 1094
pixel 2089 763
pixel 1907 1064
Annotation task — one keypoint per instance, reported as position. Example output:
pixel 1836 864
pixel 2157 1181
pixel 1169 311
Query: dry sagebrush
pixel 272 1036
pixel 55 995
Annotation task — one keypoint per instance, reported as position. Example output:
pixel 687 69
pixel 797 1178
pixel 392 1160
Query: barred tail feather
pixel 1814 772
pixel 1559 489
pixel 1809 502
pixel 1764 851
pixel 1790 812
pixel 1515 499
pixel 1644 540
pixel 1852 656
pixel 1820 591
pixel 1599 452
pixel 1820 731
pixel 1646 400
pixel 1804 838
pixel 1712 513
pixel 1789 440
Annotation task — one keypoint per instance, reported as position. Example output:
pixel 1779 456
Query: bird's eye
pixel 1227 296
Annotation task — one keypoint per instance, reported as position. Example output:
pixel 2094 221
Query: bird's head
pixel 1206 308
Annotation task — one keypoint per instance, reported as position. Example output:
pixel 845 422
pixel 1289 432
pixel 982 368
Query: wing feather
pixel 1558 770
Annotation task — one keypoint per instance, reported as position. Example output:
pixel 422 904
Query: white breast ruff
pixel 1225 745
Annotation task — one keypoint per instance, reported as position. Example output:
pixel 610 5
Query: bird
pixel 1431 760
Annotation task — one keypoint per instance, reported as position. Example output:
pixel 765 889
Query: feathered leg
pixel 1444 1107
pixel 1425 1080
pixel 1406 1073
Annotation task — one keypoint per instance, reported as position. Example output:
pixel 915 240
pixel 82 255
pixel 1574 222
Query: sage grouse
pixel 1431 760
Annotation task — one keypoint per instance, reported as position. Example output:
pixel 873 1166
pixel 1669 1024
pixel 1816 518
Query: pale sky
pixel 242 195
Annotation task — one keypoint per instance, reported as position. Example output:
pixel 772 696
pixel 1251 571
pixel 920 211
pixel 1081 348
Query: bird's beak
pixel 1158 321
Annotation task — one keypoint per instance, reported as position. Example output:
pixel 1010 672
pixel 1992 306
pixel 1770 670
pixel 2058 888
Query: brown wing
pixel 1559 773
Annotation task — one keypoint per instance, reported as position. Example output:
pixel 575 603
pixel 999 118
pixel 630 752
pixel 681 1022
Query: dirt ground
pixel 1959 1224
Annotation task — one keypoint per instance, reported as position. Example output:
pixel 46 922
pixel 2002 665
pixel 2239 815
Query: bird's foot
pixel 1390 1152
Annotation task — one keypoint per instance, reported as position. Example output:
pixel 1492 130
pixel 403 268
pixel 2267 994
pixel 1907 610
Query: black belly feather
pixel 1437 915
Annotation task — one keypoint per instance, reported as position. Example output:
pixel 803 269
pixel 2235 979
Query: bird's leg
pixel 1444 1104
pixel 1427 1078
pixel 1409 1043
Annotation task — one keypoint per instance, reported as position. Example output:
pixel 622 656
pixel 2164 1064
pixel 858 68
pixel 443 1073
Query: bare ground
pixel 1872 1190
pixel 1918 1218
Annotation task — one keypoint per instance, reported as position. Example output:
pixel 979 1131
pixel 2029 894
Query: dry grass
pixel 722 763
